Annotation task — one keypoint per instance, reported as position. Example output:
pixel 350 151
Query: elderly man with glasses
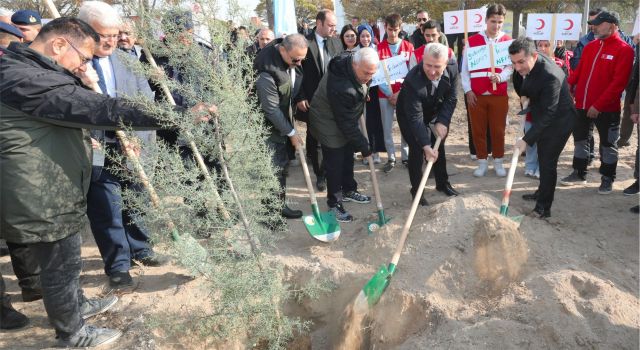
pixel 118 233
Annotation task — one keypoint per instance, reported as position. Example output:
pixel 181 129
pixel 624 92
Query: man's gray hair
pixel 436 50
pixel 101 13
pixel 366 55
pixel 292 41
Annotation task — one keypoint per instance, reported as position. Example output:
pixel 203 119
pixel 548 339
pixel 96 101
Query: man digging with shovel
pixel 335 111
pixel 553 113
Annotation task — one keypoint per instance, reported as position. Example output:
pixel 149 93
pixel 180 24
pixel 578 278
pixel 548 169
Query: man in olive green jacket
pixel 45 164
pixel 336 108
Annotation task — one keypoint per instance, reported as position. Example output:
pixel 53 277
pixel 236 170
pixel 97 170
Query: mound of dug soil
pixel 467 278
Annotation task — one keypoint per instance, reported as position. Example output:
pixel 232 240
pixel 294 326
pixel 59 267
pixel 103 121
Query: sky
pixel 248 5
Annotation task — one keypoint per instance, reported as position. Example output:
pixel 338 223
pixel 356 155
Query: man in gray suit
pixel 119 236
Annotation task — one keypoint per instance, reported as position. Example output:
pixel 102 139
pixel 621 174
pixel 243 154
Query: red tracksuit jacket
pixel 602 74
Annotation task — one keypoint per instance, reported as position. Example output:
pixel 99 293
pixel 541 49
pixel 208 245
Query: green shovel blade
pixel 504 212
pixel 378 284
pixel 322 226
pixel 373 226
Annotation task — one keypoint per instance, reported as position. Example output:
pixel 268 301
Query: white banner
pixel 478 57
pixel 541 25
pixel 396 67
pixel 454 21
pixel 636 25
pixel 284 18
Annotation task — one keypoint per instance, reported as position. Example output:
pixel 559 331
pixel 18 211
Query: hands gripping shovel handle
pixel 373 290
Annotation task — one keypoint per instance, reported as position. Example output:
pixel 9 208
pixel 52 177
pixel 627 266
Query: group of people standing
pixel 421 116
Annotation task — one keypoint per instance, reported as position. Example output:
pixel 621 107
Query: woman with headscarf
pixel 372 112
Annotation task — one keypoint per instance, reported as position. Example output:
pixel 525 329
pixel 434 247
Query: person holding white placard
pixel 392 46
pixel 486 92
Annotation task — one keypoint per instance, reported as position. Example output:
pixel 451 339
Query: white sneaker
pixel 473 157
pixel 497 166
pixel 483 166
pixel 376 158
pixel 537 174
pixel 528 173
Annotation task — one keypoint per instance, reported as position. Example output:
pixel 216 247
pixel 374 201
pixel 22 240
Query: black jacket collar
pixel 23 53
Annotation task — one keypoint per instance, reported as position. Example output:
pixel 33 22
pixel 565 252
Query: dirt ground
pixel 578 288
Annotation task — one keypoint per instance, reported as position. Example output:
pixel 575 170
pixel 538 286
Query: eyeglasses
pixel 84 59
pixel 297 60
pixel 422 19
pixel 108 36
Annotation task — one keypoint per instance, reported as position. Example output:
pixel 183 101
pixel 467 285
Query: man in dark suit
pixel 323 45
pixel 428 96
pixel 541 81
pixel 118 233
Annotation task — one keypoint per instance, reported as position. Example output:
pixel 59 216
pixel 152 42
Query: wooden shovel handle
pixel 307 177
pixel 414 207
pixel 372 168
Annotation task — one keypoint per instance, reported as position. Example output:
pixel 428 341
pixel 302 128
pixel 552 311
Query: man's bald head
pixel 264 37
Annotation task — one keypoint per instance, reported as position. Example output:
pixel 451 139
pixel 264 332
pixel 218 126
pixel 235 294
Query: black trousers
pixel 339 170
pixel 279 159
pixel 549 149
pixel 25 266
pixel 315 155
pixel 608 126
pixel 416 159
pixel 61 264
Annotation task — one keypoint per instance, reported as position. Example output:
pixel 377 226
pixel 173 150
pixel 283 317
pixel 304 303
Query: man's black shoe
pixel 632 190
pixel 153 260
pixel 530 196
pixel 447 189
pixel 321 184
pixel 29 295
pixel 120 279
pixel 291 213
pixel 423 202
pixel 9 317
pixel 541 213
pixel 635 209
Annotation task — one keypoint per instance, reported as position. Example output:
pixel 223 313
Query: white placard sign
pixel 567 26
pixel 397 68
pixel 478 57
pixel 454 21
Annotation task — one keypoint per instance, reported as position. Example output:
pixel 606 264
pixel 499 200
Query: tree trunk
pixel 269 9
pixel 516 23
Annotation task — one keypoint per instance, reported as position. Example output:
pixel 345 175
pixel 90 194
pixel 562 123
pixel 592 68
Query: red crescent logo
pixel 541 23
pixel 570 24
pixel 455 20
pixel 479 16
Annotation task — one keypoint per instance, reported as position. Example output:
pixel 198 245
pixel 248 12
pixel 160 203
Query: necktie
pixel 101 83
pixel 326 56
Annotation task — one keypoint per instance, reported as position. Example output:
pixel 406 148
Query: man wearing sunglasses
pixel 416 37
pixel 279 79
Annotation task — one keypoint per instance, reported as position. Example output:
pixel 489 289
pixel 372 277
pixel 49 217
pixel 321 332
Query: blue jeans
pixel 119 237
pixel 531 160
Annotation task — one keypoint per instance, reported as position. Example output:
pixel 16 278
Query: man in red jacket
pixel 597 83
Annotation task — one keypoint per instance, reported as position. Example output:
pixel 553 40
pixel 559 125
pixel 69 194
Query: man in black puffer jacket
pixel 428 96
pixel 336 109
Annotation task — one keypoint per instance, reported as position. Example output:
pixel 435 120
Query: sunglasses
pixel 297 60
pixel 422 20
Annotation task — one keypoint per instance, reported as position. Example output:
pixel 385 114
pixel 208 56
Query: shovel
pixel 372 291
pixel 322 226
pixel 382 219
pixel 504 206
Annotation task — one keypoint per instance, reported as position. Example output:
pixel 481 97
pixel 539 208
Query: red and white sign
pixel 541 25
pixel 454 21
